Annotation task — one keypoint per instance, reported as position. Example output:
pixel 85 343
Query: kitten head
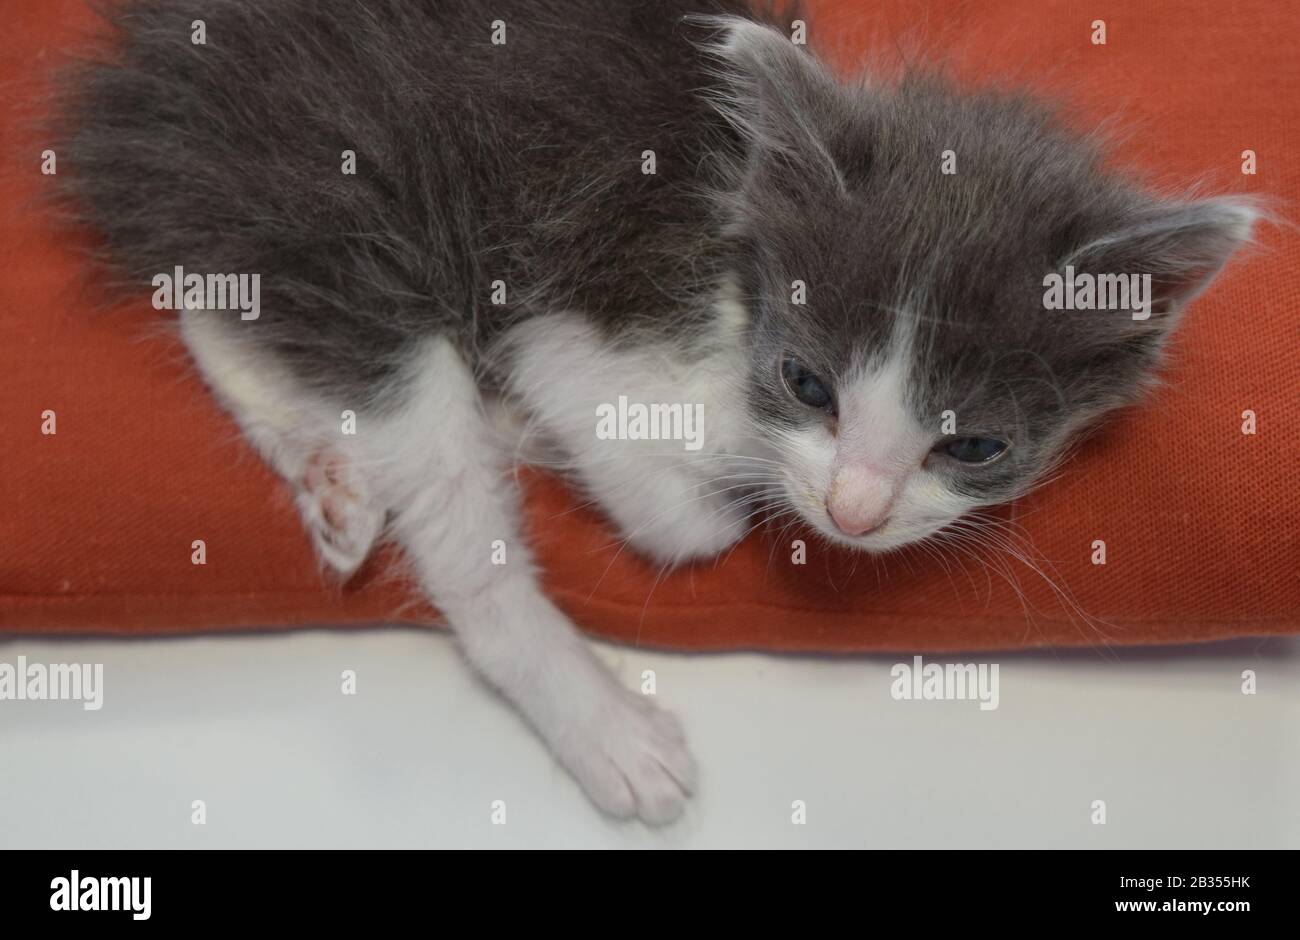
pixel 898 251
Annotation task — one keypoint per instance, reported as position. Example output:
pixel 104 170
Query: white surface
pixel 258 728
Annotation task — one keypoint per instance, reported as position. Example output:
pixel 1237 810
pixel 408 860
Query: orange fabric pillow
pixel 1200 521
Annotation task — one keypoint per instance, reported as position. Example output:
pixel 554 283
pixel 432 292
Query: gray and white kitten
pixel 501 260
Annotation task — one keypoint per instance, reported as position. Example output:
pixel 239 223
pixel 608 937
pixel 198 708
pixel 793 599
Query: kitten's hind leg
pixel 297 434
pixel 454 505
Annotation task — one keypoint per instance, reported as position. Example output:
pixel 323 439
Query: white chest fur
pixel 657 438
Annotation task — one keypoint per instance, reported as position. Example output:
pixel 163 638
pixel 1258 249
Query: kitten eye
pixel 806 387
pixel 974 450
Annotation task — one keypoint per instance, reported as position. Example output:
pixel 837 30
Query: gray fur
pixel 522 163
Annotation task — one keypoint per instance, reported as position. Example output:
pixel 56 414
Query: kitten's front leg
pixel 453 502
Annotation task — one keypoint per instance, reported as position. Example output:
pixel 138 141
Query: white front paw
pixel 694 532
pixel 631 758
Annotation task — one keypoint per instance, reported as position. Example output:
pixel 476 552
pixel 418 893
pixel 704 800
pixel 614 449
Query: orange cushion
pixel 1200 521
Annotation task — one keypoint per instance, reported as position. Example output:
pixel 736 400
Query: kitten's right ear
pixel 1182 246
pixel 781 99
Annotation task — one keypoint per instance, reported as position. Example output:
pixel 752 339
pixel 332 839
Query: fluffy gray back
pixel 476 162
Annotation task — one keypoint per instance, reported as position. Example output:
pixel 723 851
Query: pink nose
pixel 860 500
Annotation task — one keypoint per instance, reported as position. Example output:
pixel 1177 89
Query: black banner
pixel 140 890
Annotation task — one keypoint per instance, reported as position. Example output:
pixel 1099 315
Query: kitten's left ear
pixel 779 97
pixel 1181 246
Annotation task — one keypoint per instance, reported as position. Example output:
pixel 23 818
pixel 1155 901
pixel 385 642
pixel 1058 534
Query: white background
pixel 257 726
